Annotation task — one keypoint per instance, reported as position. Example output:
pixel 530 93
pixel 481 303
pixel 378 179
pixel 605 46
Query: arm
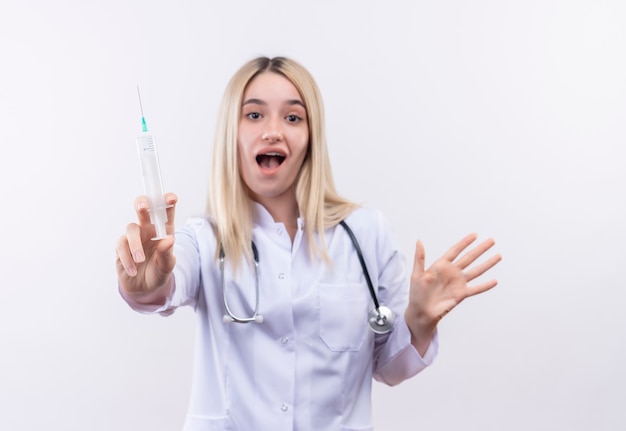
pixel 395 358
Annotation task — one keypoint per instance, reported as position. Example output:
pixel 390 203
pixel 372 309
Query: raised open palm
pixel 437 290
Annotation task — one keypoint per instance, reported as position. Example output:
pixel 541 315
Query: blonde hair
pixel 229 203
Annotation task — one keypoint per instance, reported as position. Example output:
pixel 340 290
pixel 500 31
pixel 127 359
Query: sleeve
pixel 186 275
pixel 404 361
pixel 395 358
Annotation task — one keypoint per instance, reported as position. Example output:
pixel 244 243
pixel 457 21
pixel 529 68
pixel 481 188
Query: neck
pixel 283 209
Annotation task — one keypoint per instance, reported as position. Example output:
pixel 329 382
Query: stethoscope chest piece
pixel 381 319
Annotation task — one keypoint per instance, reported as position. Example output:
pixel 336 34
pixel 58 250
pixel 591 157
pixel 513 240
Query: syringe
pixel 152 183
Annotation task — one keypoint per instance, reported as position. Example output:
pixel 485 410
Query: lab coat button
pixel 284 408
pixel 281 276
pixel 279 231
pixel 284 340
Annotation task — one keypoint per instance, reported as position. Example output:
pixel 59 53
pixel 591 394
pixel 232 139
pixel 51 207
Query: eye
pixel 253 115
pixel 293 118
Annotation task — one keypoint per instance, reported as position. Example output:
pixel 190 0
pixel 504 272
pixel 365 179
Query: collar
pixel 263 218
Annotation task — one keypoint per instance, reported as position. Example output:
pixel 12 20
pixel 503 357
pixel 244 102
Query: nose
pixel 272 136
pixel 273 131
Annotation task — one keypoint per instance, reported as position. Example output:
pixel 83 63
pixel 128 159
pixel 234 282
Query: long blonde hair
pixel 228 201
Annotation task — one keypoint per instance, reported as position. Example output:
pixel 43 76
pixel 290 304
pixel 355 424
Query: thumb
pixel 420 257
pixel 170 200
pixel 165 259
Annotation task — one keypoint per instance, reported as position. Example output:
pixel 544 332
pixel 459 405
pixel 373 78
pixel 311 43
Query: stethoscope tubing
pixel 380 319
pixel 230 316
pixel 370 285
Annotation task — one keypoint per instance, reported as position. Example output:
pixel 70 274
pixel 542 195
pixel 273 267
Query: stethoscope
pixel 380 318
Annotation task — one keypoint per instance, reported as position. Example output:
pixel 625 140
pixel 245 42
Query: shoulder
pixel 369 224
pixel 197 227
pixel 197 236
pixel 374 233
pixel 365 218
pixel 198 223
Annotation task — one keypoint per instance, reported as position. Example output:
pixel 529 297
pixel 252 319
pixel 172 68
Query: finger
pixel 468 258
pixel 134 244
pixel 420 257
pixel 482 268
pixel 457 248
pixel 170 200
pixel 480 288
pixel 165 260
pixel 125 262
pixel 142 207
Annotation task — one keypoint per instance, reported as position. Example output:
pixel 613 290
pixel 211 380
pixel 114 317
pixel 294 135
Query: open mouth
pixel 270 160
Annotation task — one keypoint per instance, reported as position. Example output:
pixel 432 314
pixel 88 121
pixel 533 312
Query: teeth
pixel 273 154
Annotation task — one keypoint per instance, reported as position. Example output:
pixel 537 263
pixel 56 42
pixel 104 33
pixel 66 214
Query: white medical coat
pixel 309 365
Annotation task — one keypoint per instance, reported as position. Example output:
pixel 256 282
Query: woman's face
pixel 273 138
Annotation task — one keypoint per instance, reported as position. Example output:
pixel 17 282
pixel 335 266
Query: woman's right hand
pixel 144 265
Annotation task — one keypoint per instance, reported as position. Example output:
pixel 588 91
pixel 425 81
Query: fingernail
pixel 131 271
pixel 141 206
pixel 138 256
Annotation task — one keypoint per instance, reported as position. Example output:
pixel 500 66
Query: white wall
pixel 496 116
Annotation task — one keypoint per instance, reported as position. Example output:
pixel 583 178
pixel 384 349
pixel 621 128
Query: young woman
pixel 282 298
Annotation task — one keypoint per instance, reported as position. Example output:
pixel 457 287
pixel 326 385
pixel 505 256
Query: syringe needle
pixel 140 105
pixel 144 125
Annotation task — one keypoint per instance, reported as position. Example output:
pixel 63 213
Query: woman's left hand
pixel 437 290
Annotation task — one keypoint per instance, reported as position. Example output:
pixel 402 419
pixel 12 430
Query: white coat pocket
pixel 343 316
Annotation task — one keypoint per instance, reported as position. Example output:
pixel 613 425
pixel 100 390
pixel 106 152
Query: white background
pixel 496 116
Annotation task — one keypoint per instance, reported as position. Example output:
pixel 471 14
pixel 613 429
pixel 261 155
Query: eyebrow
pixel 290 102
